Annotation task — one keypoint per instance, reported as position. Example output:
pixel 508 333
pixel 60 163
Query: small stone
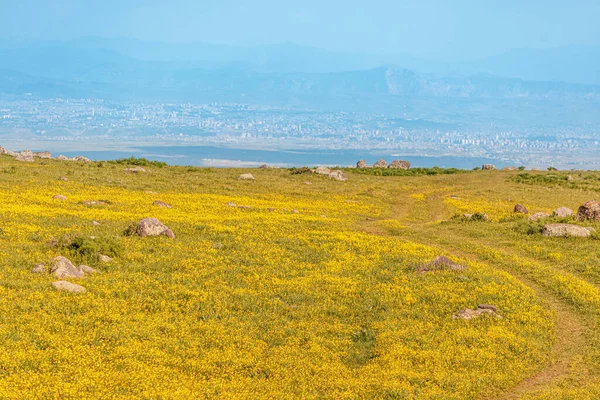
pixel 230 204
pixel 40 269
pixel 59 197
pixel 68 287
pixel 369 219
pixel 64 179
pixel 521 209
pixel 96 223
pixel 87 270
pixel 105 259
pixel 162 204
pixel 246 177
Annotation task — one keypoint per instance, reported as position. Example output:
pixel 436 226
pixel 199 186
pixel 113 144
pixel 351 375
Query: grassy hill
pixel 314 289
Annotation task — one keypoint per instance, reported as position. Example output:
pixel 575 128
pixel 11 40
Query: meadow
pixel 313 289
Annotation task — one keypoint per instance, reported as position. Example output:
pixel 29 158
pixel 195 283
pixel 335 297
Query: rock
pixel 590 210
pixel 520 208
pixel 487 307
pixel 368 219
pixel 308 183
pixel 82 159
pixel 362 164
pixel 400 164
pixel 162 204
pixel 230 204
pixel 245 207
pixel 87 270
pixel 25 156
pixel 59 197
pixel 270 209
pixel 63 268
pixel 539 215
pixel 96 223
pixel 454 197
pixel 441 263
pixel 11 153
pixel 510 169
pixel 469 314
pixel 2 150
pixel 135 170
pixel 94 203
pixel 322 171
pixel 64 179
pixel 380 164
pixel 40 269
pixel 153 227
pixel 62 158
pixel 43 154
pixel 150 192
pixel 562 212
pixel 68 287
pixel 488 167
pixel 105 259
pixel 246 177
pixel 566 230
pixel 570 178
pixel 264 166
pixel 295 212
pixel 338 175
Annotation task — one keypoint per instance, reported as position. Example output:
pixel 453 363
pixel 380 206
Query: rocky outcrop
pixel 153 227
pixel 590 210
pixel 362 164
pixel 25 156
pixel 400 164
pixel 488 167
pixel 380 164
pixel 566 230
pixel 43 155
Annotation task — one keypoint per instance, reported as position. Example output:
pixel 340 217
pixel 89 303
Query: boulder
pixel 62 158
pixel 566 230
pixel 153 227
pixel 105 259
pixel 25 156
pixel 322 171
pixel 400 164
pixel 263 166
pixel 40 269
pixel 380 164
pixel 338 175
pixel 68 287
pixel 2 150
pixel 82 159
pixel 362 164
pixel 469 314
pixel 86 270
pixel 11 153
pixel 488 167
pixel 162 204
pixel 135 170
pixel 520 208
pixel 562 212
pixel 59 197
pixel 43 154
pixel 590 210
pixel 538 215
pixel 246 177
pixel 441 263
pixel 63 268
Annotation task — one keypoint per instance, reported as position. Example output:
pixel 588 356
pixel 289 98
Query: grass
pixel 265 303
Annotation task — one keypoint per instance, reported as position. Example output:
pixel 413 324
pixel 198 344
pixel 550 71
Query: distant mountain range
pixel 136 70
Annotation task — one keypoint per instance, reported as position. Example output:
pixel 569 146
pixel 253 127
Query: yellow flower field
pixel 257 303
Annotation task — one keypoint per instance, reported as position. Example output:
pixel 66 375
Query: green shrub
pixel 139 162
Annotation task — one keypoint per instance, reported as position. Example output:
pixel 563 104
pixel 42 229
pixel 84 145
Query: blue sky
pixel 452 29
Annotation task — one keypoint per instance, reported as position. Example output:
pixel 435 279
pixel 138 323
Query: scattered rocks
pixel 43 154
pixel 566 230
pixel 488 167
pixel 105 259
pixel 322 171
pixel 538 215
pixel 362 164
pixel 590 210
pixel 153 227
pixel 62 267
pixel 520 208
pixel 562 212
pixel 135 170
pixel 40 269
pixel 469 314
pixel 380 164
pixel 59 197
pixel 162 204
pixel 399 164
pixel 441 263
pixel 68 287
pixel 246 177
pixel 25 156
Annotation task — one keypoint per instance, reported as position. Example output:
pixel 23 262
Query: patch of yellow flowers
pixel 248 303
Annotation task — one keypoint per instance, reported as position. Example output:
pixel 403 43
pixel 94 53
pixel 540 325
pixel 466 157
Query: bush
pixel 298 171
pixel 139 162
pixel 91 248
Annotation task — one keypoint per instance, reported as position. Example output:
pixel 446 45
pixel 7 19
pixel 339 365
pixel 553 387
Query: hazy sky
pixel 426 28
